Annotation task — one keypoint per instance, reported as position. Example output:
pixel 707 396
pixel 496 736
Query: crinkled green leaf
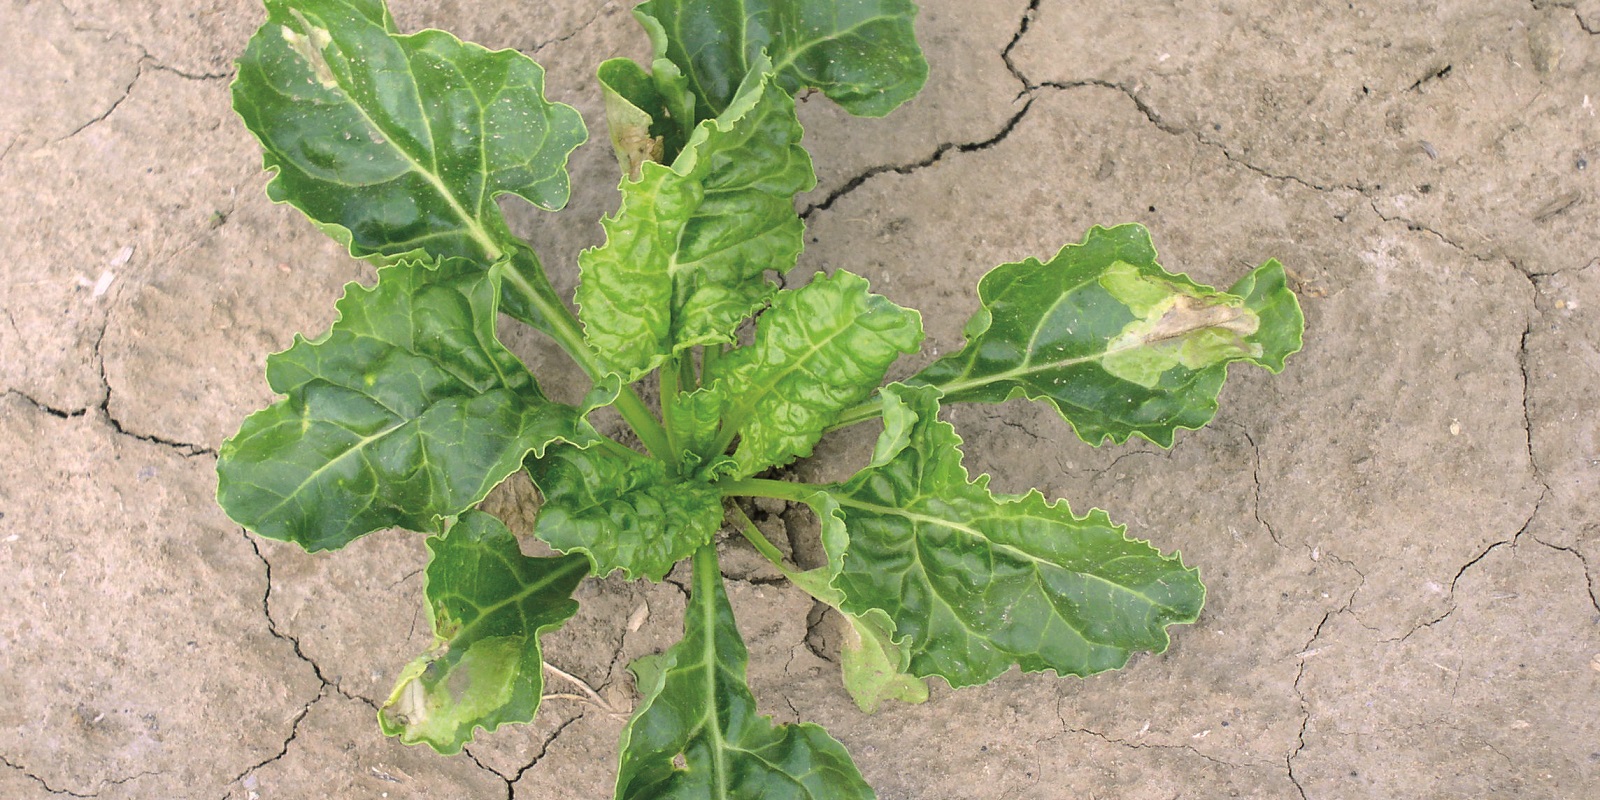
pixel 975 582
pixel 686 254
pixel 696 734
pixel 818 350
pixel 622 509
pixel 488 604
pixel 872 663
pixel 694 423
pixel 407 411
pixel 404 141
pixel 862 54
pixel 1118 345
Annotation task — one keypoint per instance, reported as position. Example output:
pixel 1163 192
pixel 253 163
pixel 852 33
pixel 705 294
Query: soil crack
pixel 185 449
pixel 327 686
pixel 1435 75
pixel 544 749
pixel 294 731
pixel 1155 119
pixel 1152 746
pixel 68 792
pixel 945 148
pixel 575 31
pixel 1116 462
pixel 1028 16
pixel 1588 573
pixel 1527 395
pixel 191 76
pixel 1474 562
pixel 1255 477
pixel 40 405
pixel 510 792
pixel 1013 424
pixel 127 91
pixel 294 642
pixel 1304 655
pixel 938 155
pixel 1417 227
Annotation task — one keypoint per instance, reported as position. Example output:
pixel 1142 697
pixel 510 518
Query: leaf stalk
pixel 860 412
pixel 762 487
pixel 564 329
pixel 670 377
pixel 752 534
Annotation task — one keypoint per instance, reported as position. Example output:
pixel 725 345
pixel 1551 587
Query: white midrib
pixel 485 611
pixel 355 447
pixel 1132 343
pixel 474 229
pixel 708 656
pixel 789 58
pixel 967 529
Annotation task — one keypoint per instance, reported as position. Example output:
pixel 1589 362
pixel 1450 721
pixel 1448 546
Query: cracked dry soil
pixel 1400 534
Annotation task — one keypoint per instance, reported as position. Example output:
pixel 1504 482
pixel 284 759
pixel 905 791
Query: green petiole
pixel 565 331
pixel 752 534
pixel 763 487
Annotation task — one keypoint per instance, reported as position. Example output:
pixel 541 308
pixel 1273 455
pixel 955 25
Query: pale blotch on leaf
pixel 1175 326
pixel 434 700
pixel 310 47
pixel 635 146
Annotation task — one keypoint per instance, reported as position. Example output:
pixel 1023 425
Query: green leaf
pixel 407 411
pixel 875 667
pixel 694 424
pixel 873 664
pixel 533 300
pixel 818 350
pixel 488 604
pixel 696 734
pixel 862 54
pixel 975 582
pixel 622 509
pixel 1119 346
pixel 686 254
pixel 402 141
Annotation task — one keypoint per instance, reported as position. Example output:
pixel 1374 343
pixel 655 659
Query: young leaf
pixel 694 424
pixel 622 509
pixel 685 255
pixel 488 604
pixel 402 141
pixel 976 582
pixel 819 350
pixel 696 734
pixel 637 117
pixel 1118 345
pixel 407 411
pixel 666 100
pixel 873 664
pixel 862 54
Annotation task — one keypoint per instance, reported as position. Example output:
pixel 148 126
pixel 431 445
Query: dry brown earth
pixel 1400 534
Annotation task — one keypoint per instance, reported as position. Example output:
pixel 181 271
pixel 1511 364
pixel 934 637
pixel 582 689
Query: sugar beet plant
pixel 410 410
